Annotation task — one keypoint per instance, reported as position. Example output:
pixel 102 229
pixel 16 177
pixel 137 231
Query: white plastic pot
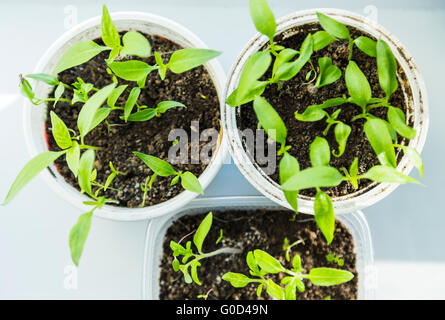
pixel 416 102
pixel 157 228
pixel 34 116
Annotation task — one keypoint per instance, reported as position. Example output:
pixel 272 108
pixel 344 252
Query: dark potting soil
pixel 296 95
pixel 250 230
pixel 194 89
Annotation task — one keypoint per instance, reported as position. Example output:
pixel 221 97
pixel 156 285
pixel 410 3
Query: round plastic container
pixel 157 229
pixel 34 117
pixel 416 102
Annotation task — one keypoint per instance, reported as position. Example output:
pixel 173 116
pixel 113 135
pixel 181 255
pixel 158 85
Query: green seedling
pixel 190 260
pixel 336 259
pixel 220 236
pixel 164 169
pixel 335 30
pixel 262 266
pixel 114 173
pixel 284 67
pixel 287 247
pixel 320 175
pixel 328 74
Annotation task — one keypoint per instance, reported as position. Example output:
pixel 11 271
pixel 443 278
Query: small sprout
pixel 190 260
pixel 261 265
pixel 288 247
pixel 220 236
pixel 164 169
pixel 336 259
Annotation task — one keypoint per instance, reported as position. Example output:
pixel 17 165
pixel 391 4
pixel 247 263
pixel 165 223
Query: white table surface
pixel 407 227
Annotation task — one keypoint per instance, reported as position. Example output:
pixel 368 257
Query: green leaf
pixel 77 54
pixel 100 116
pixel 86 165
pixel 357 84
pixel 251 262
pixel 44 77
pixel 324 215
pixel 187 59
pixel 290 69
pixel 415 158
pixel 175 265
pixel 396 118
pixel 26 89
pixel 270 120
pixel 158 166
pixel 387 68
pixel 263 17
pixel 163 106
pixel 30 171
pixel 311 114
pixel 387 174
pixel 274 290
pixel 342 132
pixel 143 115
pixel 194 270
pixel 329 73
pixel 135 44
pixel 202 232
pixel 290 290
pixel 131 101
pixel 115 94
pixel 320 154
pixel 238 280
pixel 322 39
pixel 88 112
pixel 190 182
pixel 380 139
pixel 284 56
pixel 329 277
pixel 333 27
pixel 322 177
pixel 249 86
pixel 367 45
pixel 60 89
pixel 131 70
pixel 60 132
pixel 296 262
pixel 73 157
pixel 110 35
pixel 78 236
pixel 266 262
pixel 288 167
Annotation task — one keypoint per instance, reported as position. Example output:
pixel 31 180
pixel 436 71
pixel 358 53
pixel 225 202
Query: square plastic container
pixel 157 228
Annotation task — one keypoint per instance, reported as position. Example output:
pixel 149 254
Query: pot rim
pixel 417 111
pixel 51 175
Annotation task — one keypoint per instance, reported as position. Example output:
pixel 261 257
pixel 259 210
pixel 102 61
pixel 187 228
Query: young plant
pixel 190 260
pixel 262 266
pixel 336 259
pixel 328 74
pixel 164 169
pixel 287 247
pixel 256 66
pixel 335 30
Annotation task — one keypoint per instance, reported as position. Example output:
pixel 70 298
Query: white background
pixel 407 227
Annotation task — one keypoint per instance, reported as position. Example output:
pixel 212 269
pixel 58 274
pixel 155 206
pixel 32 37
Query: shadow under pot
pixel 196 93
pixel 316 105
pixel 283 246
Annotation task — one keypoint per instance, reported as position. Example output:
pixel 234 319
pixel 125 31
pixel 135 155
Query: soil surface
pixel 193 88
pixel 249 230
pixel 297 94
